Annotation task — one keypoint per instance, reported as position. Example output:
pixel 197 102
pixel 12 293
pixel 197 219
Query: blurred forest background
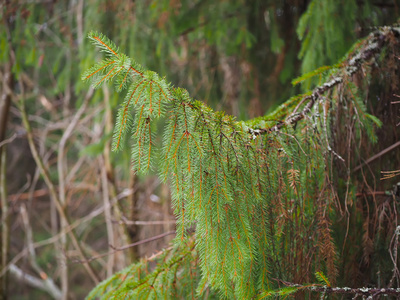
pixel 65 197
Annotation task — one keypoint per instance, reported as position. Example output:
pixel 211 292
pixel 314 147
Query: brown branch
pixel 146 240
pixel 35 282
pixel 47 282
pixel 127 246
pixel 371 159
pixel 28 195
pixel 376 193
pixel 107 217
pixel 128 222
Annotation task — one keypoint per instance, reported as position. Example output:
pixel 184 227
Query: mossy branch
pixel 371 46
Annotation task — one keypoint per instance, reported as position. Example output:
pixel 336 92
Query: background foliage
pixel 236 56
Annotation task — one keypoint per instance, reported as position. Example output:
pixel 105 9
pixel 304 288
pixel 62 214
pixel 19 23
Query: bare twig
pixel 47 283
pixel 371 159
pixel 155 255
pixel 5 228
pixel 9 140
pixel 145 241
pixel 61 179
pixel 35 282
pixel 108 217
pixel 390 174
pixel 372 193
pixel 127 222
pixel 160 236
pixel 28 195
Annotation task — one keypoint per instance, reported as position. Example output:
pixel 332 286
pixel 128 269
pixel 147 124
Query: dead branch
pixel 328 290
pixel 129 246
pixel 35 282
pixel 108 217
pixel 46 283
pixel 371 159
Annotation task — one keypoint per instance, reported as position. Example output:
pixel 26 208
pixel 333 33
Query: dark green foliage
pixel 323 30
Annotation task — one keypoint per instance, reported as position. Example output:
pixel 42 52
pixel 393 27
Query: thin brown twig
pixel 9 140
pixel 48 284
pixel 107 216
pixel 371 159
pixel 390 174
pixel 372 193
pixel 33 281
pixel 127 222
pixel 128 246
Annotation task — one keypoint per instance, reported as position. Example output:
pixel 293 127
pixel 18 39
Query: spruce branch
pixel 231 181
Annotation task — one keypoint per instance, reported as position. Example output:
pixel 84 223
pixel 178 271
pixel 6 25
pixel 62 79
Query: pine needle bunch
pixel 259 193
